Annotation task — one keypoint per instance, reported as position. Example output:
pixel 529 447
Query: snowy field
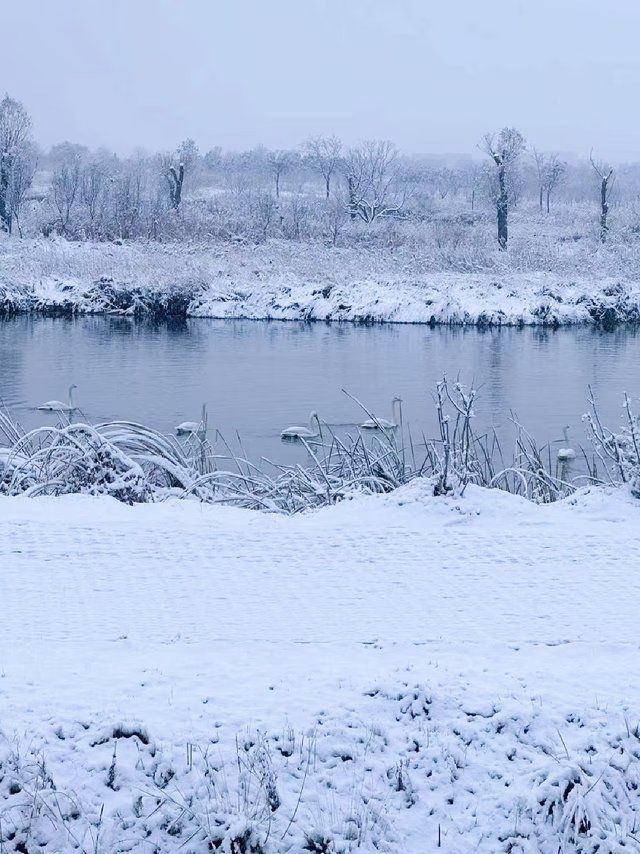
pixel 292 281
pixel 397 673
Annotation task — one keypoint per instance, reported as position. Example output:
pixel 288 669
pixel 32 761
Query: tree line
pixel 82 194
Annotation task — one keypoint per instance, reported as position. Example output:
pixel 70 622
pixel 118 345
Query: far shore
pixel 281 281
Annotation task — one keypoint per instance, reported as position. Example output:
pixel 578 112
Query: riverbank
pixel 389 673
pixel 281 280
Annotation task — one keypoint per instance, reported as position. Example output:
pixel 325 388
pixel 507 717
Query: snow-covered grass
pixel 135 464
pixel 429 276
pixel 433 770
pixel 398 673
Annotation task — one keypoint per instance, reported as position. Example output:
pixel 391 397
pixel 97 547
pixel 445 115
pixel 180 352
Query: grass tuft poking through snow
pixel 429 774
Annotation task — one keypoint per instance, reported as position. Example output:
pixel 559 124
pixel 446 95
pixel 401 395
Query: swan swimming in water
pixel 58 405
pixel 566 453
pixel 376 423
pixel 304 432
pixel 194 428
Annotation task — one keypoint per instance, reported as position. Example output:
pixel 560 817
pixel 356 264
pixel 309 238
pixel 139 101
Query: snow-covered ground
pixel 399 673
pixel 294 281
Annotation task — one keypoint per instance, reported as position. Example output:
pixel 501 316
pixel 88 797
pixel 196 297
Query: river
pixel 260 377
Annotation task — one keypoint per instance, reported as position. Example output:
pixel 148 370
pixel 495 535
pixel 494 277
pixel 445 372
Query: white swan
pixel 58 406
pixel 566 453
pixel 376 423
pixel 304 432
pixel 194 428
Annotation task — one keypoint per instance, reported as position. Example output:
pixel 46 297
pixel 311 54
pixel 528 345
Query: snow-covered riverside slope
pixel 291 281
pixel 394 673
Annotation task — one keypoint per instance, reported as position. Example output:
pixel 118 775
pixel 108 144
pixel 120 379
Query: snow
pixel 379 675
pixel 282 280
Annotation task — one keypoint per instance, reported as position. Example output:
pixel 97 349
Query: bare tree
pixel 175 177
pixel 373 181
pixel 65 152
pixel 188 153
pixel 65 184
pixel 93 180
pixel 213 158
pixel 540 160
pixel 473 177
pixel 296 216
pixel 279 163
pixel 605 174
pixel 16 157
pixel 237 172
pixel 177 167
pixel 551 172
pixel 263 208
pixel 323 154
pixel 444 181
pixel 554 174
pixel 504 152
pixel 21 173
pixel 334 219
pixel 127 192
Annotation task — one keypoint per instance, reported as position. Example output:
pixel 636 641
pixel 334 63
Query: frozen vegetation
pixel 136 464
pixel 284 280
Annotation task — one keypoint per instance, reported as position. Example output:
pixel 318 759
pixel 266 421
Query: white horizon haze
pixel 431 77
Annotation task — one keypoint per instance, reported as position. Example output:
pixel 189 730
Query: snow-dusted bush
pixel 583 805
pixel 618 452
pixel 124 460
pixel 69 460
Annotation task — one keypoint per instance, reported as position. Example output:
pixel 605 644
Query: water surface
pixel 259 377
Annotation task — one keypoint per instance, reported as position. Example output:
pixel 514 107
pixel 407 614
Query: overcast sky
pixel 431 75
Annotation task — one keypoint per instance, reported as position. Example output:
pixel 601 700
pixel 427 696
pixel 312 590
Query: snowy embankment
pixel 400 673
pixel 292 281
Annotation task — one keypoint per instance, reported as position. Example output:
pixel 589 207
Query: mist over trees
pixel 321 190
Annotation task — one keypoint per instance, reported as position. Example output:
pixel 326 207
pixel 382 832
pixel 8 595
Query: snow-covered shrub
pixel 168 302
pixel 133 463
pixel 586 806
pixel 461 457
pixel 617 452
pixel 73 459
pixel 124 460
